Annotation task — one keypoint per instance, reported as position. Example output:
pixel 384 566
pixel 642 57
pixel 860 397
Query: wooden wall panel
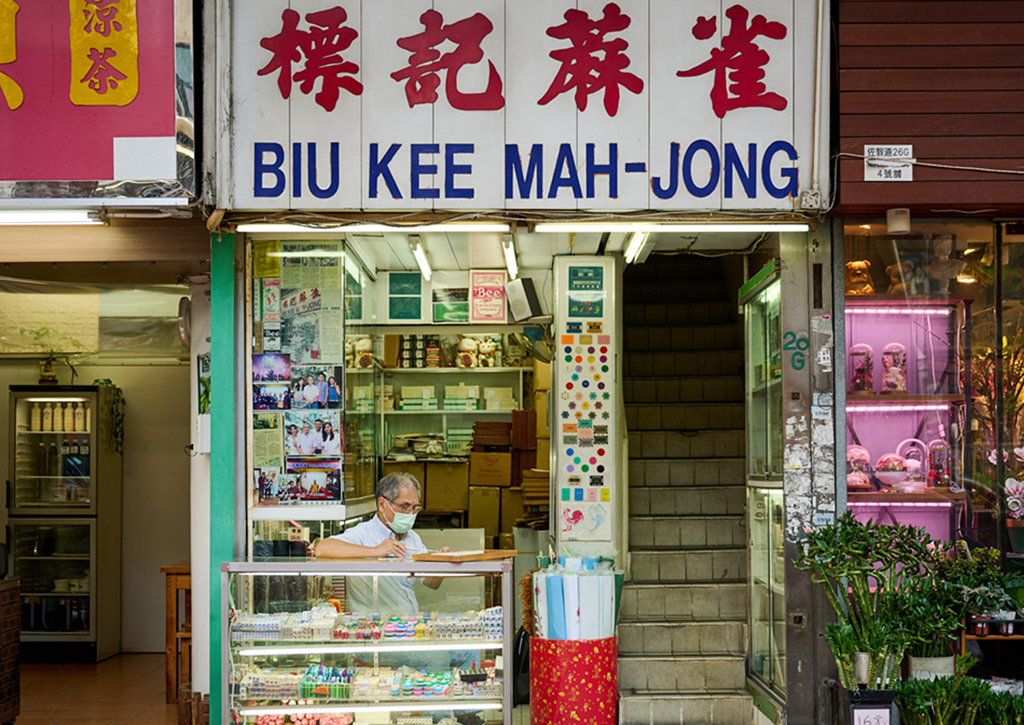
pixel 947 77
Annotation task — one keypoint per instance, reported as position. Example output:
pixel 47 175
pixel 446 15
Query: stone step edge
pixel 676 658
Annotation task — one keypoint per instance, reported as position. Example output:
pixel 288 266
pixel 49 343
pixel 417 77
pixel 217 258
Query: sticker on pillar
pixel 568 340
pixel 591 494
pixel 586 278
pixel 565 495
pixel 568 440
pixel 604 339
pixel 578 494
pixel 594 327
pixel 569 427
pixel 606 495
pixel 585 521
pixel 574 327
pixel 597 480
pixel 574 480
pixel 586 304
pixel 586 339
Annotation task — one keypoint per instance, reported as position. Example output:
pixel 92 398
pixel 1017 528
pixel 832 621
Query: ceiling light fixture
pixel 48 217
pixel 421 256
pixel 270 228
pixel 595 227
pixel 509 247
pixel 636 243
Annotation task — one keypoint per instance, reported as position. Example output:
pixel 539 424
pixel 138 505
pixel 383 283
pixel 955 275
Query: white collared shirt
pixel 395 595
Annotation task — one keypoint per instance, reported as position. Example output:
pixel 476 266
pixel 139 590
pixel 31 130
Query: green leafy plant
pixel 864 569
pixel 55 346
pixel 976 575
pixel 955 700
pixel 115 433
pixel 1002 708
pixel 930 611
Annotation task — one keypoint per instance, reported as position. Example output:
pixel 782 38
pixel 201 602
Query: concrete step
pixel 687 500
pixel 640 338
pixel 675 313
pixel 695 566
pixel 732 708
pixel 685 638
pixel 686 444
pixel 672 472
pixel 683 416
pixel 665 390
pixel 663 603
pixel 689 532
pixel 676 675
pixel 720 367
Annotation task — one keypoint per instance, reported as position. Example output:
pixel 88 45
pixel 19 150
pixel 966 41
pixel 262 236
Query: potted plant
pixel 932 614
pixel 863 567
pixel 980 583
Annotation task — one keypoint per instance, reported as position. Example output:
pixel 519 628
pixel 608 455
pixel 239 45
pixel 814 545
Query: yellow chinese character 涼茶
pixel 9 88
pixel 104 52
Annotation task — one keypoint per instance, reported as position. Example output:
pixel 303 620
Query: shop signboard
pixel 95 100
pixel 522 104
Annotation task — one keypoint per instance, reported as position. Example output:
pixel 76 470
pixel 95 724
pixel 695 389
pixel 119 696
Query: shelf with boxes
pixel 907 408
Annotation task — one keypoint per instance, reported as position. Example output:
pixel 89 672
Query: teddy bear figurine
pixel 486 353
pixel 899 273
pixel 858 278
pixel 466 356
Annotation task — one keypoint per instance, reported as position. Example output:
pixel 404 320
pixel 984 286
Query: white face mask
pixel 402 523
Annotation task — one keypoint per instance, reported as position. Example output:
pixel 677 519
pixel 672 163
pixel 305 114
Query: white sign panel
pixel 889 162
pixel 522 104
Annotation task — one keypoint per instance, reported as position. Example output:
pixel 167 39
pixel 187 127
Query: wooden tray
pixel 458 556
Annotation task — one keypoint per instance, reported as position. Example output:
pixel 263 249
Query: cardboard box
pixel 392 343
pixel 413 467
pixel 512 508
pixel 490 469
pixel 485 509
pixel 540 406
pixel 543 453
pixel 541 375
pixel 506 541
pixel 418 392
pixel 462 391
pixel 447 486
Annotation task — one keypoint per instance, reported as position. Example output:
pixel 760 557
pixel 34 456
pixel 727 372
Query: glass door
pixel 53 560
pixel 52 462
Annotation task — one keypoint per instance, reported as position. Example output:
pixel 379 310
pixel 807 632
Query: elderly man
pixel 389 533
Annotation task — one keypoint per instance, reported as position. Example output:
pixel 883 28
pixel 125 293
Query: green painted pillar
pixel 222 446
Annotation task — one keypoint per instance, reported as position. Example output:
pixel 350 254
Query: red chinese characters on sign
pixel 592 63
pixel 426 62
pixel 101 17
pixel 321 46
pixel 739 63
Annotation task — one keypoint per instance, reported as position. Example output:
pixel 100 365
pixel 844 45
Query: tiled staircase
pixel 683 632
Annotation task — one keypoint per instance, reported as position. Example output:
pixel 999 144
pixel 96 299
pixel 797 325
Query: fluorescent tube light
pixel 32 217
pixel 636 243
pixel 509 247
pixel 270 228
pixel 421 257
pixel 548 227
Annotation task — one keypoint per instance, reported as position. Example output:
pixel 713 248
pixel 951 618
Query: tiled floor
pixel 127 689
pixel 124 689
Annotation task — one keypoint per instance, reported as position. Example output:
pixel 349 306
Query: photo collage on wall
pixel 298 373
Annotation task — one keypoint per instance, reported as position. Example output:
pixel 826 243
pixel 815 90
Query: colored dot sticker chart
pixel 584 392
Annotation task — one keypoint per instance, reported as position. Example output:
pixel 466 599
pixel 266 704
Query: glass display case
pixel 761 306
pixel 64 521
pixel 361 641
pixel 910 404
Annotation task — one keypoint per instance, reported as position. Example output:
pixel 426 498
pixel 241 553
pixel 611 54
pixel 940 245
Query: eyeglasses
pixel 405 508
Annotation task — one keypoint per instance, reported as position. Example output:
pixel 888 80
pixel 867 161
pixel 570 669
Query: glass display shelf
pixel 366 637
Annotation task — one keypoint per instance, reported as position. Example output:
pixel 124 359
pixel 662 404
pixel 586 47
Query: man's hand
pixel 390 547
pixel 444 550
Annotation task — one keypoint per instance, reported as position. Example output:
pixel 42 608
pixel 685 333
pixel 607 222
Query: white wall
pixel 155 505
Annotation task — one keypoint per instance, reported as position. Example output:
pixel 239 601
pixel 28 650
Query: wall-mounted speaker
pixel 523 302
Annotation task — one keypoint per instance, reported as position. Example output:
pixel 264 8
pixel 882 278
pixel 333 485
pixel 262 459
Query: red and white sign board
pixel 660 104
pixel 87 90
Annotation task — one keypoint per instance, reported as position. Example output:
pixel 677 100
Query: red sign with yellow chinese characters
pixel 87 90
